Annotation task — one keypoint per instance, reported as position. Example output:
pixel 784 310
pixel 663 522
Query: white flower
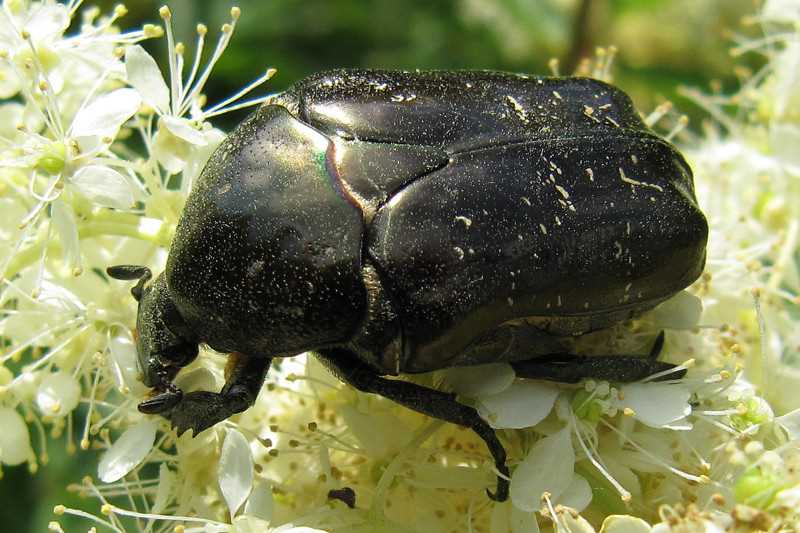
pixel 58 394
pixel 181 142
pixel 548 468
pixel 128 451
pixel 235 470
pixel 522 404
pixel 659 405
pixel 15 441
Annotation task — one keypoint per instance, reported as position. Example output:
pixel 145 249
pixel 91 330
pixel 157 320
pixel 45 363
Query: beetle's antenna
pixel 129 272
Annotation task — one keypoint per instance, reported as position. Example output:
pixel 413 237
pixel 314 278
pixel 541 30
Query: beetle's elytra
pixel 400 222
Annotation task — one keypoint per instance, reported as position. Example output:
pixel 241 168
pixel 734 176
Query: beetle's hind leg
pixel 202 409
pixel 570 368
pixel 346 366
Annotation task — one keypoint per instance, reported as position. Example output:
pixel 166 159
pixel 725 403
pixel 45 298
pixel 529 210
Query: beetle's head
pixel 164 342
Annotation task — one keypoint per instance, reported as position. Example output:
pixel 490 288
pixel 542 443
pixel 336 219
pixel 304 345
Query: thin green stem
pixel 106 223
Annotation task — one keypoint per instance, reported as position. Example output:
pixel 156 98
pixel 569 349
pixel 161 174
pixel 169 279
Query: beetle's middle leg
pixel 202 409
pixel 570 368
pixel 434 403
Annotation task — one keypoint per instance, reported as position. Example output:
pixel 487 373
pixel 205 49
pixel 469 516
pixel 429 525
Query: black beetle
pixel 402 222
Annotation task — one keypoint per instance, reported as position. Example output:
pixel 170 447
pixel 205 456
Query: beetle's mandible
pixel 402 222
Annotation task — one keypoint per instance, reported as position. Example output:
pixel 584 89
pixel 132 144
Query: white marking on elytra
pixel 628 228
pixel 633 182
pixel 590 173
pixel 510 301
pixel 558 221
pixel 459 252
pixel 525 200
pixel 612 122
pixel 467 221
pixel 563 192
pixel 557 95
pixel 618 251
pixel 558 300
pixel 404 97
pixel 634 159
pixel 518 109
pixel 544 230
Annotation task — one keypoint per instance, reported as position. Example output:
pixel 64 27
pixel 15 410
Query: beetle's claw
pixel 501 493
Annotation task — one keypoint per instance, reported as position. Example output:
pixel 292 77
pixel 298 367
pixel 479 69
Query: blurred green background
pixel 662 44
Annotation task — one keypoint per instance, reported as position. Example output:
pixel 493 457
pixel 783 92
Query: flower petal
pixel 103 186
pixel 379 433
pixel 48 21
pixel 790 422
pixel 58 394
pixel 63 218
pixel 573 523
pixel 291 528
pixel 548 467
pixel 106 113
pixel 682 311
pixel 260 503
pixel 196 379
pixel 126 365
pixel 11 116
pixel 578 495
pixel 235 471
pixel 523 404
pixel 15 441
pixel 128 451
pixel 166 483
pixel 170 151
pixel 624 524
pixel 480 380
pixel 522 522
pixel 58 298
pixel 656 404
pixel 183 129
pixel 145 76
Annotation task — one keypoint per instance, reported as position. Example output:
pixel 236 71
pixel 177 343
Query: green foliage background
pixel 663 44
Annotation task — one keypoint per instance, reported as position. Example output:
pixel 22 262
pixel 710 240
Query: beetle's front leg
pixel 437 404
pixel 202 409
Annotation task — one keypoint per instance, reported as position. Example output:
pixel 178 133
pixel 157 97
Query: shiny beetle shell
pixel 413 217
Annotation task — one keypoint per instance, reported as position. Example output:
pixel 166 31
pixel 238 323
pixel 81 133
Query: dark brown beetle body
pixel 411 221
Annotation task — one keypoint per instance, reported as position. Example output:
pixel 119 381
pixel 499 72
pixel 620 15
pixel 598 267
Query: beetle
pixel 398 222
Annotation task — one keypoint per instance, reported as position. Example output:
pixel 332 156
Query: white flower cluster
pixel 714 451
